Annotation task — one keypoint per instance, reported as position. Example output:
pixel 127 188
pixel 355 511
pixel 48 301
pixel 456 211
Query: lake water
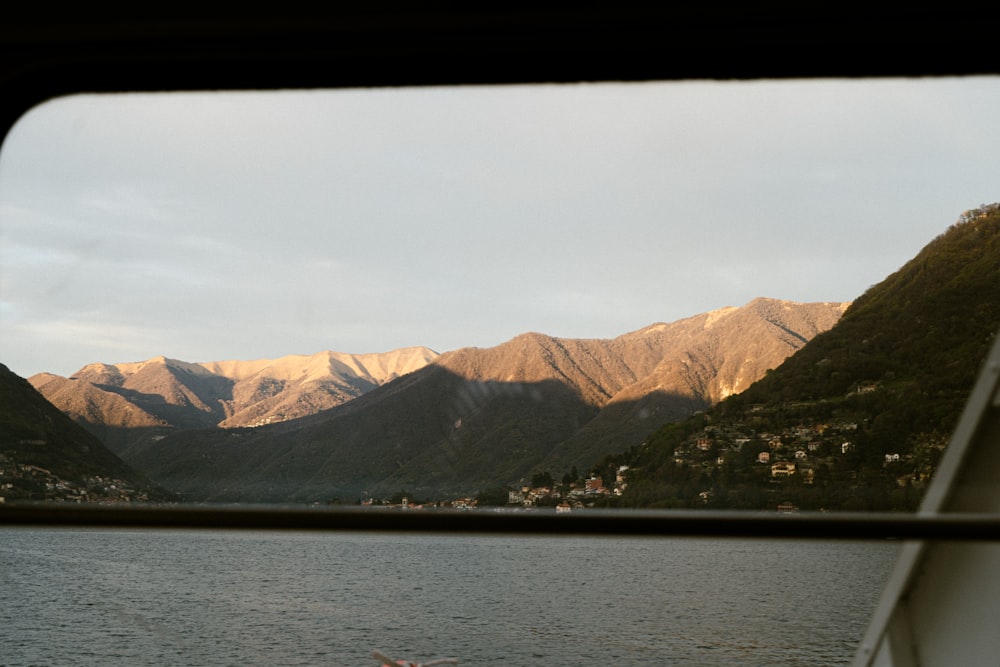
pixel 145 597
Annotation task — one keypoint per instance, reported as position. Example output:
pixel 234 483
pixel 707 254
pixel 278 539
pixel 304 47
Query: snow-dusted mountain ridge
pixel 169 392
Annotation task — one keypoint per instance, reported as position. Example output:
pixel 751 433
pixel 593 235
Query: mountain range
pixel 127 401
pixel 454 424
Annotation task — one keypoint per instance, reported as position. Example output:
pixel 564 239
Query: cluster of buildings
pixel 568 497
pixel 562 497
pixel 797 451
pixel 23 481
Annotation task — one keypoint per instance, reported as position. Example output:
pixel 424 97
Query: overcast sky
pixel 208 227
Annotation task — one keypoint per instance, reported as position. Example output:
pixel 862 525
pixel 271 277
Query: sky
pixel 255 225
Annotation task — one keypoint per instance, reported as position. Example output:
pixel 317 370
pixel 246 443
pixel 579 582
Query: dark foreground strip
pixel 804 525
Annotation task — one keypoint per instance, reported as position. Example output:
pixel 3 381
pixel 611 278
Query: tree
pixel 540 479
pixel 570 477
pixel 496 496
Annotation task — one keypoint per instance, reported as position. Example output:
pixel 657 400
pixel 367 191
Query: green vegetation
pixel 857 419
pixel 45 455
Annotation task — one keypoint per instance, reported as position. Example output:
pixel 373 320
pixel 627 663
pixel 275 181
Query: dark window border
pixel 82 51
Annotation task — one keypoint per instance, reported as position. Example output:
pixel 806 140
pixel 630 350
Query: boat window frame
pixel 100 52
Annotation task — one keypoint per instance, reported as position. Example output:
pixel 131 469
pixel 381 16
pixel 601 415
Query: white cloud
pixel 260 224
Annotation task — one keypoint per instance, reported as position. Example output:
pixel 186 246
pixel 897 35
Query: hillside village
pixel 565 497
pixel 792 457
pixel 764 460
pixel 31 482
pixel 786 463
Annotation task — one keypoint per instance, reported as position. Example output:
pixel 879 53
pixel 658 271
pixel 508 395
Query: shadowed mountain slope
pixel 480 417
pixel 45 455
pixel 705 359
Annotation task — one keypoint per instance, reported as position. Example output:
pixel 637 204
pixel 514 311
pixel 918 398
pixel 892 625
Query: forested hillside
pixel 45 455
pixel 857 419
